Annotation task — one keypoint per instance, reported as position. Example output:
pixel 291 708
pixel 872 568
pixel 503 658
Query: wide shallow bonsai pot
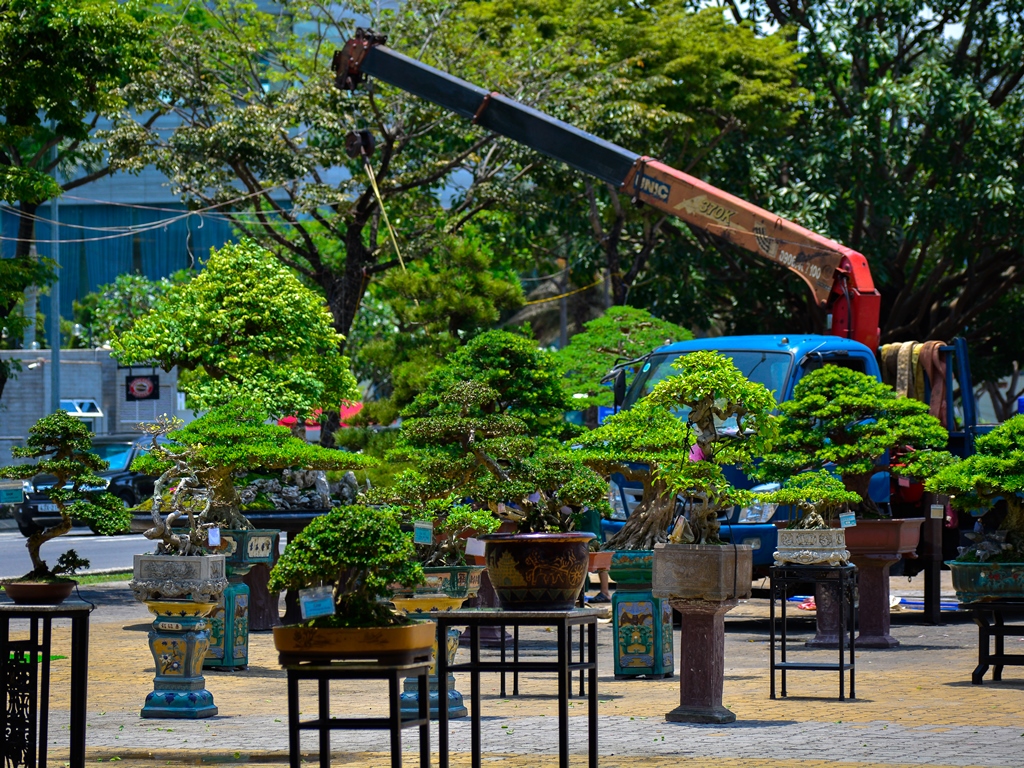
pixel 811 546
pixel 537 571
pixel 403 644
pixel 886 536
pixel 975 582
pixel 39 592
pixel 454 581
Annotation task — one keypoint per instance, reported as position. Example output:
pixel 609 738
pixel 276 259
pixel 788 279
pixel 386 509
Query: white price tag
pixel 475 547
pixel 316 601
pixel 847 520
pixel 213 537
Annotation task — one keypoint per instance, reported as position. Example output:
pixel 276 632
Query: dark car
pixel 37 511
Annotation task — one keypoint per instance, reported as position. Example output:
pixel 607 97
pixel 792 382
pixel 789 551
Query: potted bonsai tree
pixel 203 458
pixel 849 421
pixel 810 536
pixel 354 554
pixel 63 445
pixel 990 481
pixel 490 428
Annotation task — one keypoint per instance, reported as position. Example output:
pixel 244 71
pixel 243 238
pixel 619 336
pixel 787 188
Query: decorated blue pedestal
pixel 641 623
pixel 179 641
pixel 410 689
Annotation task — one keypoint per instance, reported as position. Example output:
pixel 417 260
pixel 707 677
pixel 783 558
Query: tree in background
pixel 62 67
pixel 436 304
pixel 263 135
pixel 245 326
pixel 660 80
pixel 621 334
pixel 112 309
pixel 909 152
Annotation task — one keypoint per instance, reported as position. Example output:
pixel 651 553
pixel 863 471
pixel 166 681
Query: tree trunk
pixel 648 524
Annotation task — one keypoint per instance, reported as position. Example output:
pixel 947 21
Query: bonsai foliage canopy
pixel 490 427
pixel 245 326
pixel 361 552
pixel 63 444
pixel 212 449
pixel 816 497
pixel 729 422
pixel 993 474
pixel 850 419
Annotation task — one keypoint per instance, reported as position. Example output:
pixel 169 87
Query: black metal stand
pixel 25 682
pixel 324 723
pixel 990 616
pixel 563 621
pixel 844 580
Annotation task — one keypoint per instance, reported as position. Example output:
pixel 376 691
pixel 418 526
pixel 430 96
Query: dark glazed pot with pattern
pixel 537 571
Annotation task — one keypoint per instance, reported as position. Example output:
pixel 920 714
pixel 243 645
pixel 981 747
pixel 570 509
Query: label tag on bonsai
pixel 10 492
pixel 213 537
pixel 847 519
pixel 316 601
pixel 423 532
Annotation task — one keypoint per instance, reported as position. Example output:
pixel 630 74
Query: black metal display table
pixel 990 616
pixel 564 666
pixel 25 681
pixel 323 673
pixel 844 580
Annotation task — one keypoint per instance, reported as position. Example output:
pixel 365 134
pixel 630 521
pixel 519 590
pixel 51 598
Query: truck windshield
pixel 768 368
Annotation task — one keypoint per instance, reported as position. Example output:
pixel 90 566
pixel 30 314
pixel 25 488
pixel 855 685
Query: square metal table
pixel 844 579
pixel 25 681
pixel 324 672
pixel 564 666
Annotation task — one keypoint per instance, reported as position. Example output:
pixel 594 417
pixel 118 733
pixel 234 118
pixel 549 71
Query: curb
pixel 8 524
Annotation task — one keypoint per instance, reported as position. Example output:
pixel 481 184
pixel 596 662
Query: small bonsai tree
pixel 64 446
pixel 992 477
pixel 621 334
pixel 490 427
pixel 204 457
pixel 360 552
pixel 816 496
pixel 728 423
pixel 848 419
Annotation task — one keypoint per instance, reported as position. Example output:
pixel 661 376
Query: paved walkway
pixel 915 706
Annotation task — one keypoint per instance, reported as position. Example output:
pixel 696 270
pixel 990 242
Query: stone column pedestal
pixel 826 611
pixel 873 616
pixel 702 662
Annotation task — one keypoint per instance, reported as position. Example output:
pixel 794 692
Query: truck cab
pixel 777 362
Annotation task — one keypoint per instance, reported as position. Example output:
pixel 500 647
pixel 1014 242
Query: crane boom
pixel 838 277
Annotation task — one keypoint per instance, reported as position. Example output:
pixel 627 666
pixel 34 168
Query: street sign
pixel 10 492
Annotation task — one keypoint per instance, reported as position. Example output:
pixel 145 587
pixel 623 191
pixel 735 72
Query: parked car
pixel 37 512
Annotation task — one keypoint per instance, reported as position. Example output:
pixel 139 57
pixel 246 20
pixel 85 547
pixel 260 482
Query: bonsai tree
pixel 63 444
pixel 637 444
pixel 849 419
pixel 204 457
pixel 622 333
pixel 490 427
pixel 816 496
pixel 244 327
pixel 728 422
pixel 990 479
pixel 360 552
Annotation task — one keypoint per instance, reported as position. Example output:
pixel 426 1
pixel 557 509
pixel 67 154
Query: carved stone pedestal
pixel 874 600
pixel 701 662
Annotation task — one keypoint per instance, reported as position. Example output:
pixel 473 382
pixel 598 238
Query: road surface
pixel 103 552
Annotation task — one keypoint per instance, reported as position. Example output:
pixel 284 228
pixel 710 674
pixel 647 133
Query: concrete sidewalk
pixel 915 706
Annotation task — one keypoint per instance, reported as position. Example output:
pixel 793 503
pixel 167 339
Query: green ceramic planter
pixel 987 581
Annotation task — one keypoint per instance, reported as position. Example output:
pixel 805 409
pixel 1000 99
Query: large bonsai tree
pixel 204 457
pixel 993 476
pixel 245 326
pixel 490 427
pixel 848 419
pixel 361 553
pixel 64 446
pixel 676 442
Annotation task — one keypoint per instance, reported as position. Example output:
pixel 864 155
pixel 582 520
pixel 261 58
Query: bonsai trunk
pixel 36 540
pixel 859 484
pixel 1013 523
pixel 224 501
pixel 648 524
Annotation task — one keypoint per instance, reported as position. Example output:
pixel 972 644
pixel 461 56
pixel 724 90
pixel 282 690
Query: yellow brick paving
pixel 925 686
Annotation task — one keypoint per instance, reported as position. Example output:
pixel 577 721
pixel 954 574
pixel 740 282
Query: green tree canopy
pixel 62 67
pixel 622 333
pixel 247 327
